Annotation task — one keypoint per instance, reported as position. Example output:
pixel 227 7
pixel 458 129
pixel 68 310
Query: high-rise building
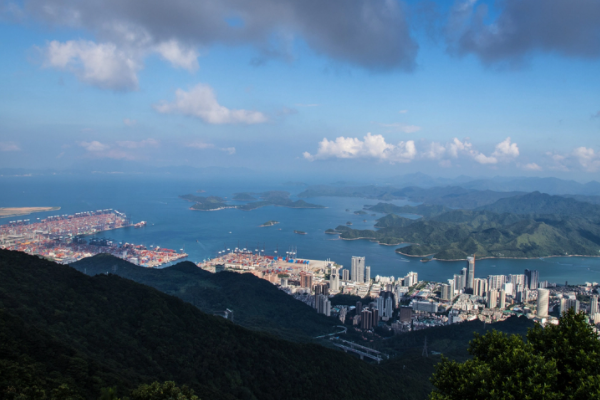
pixel 480 287
pixel 345 275
pixel 358 308
pixel 463 277
pixel 509 288
pixel 405 314
pixel 445 292
pixel 542 303
pixel 334 279
pixel 375 317
pixel 565 304
pixel 496 281
pixel 305 280
pixel 532 277
pixel 368 275
pixel 365 320
pixel 516 279
pixel 492 296
pixel 594 305
pixel 358 269
pixel 502 299
pixel 457 283
pixel 470 273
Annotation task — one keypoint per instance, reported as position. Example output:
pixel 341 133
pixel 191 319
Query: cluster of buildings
pixel 60 238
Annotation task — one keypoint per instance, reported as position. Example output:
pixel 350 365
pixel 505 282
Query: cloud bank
pixel 372 34
pixel 569 28
pixel 376 147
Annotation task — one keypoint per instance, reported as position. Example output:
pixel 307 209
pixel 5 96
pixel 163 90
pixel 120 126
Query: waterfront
pixel 203 234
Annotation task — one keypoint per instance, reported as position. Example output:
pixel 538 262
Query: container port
pixel 62 238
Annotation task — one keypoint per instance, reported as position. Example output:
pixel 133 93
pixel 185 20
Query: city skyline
pixel 409 86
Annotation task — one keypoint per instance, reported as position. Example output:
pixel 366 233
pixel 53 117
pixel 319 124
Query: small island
pixel 269 223
pixel 272 198
pixel 300 232
pixel 360 212
pixel 348 223
pixel 331 232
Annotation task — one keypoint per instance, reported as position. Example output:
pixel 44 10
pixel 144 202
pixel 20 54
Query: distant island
pixel 243 197
pixel 360 212
pixel 7 212
pixel 300 232
pixel 270 223
pixel 331 232
pixel 525 226
pixel 271 198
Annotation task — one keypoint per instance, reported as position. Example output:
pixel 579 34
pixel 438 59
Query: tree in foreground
pixel 556 362
pixel 155 391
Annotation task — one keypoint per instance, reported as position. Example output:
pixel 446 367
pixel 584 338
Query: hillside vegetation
pixel 66 332
pixel 257 304
pixel 532 225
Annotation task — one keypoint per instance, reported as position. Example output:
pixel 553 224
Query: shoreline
pixel 26 211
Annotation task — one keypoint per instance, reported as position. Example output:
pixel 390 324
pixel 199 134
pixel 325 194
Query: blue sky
pixel 477 88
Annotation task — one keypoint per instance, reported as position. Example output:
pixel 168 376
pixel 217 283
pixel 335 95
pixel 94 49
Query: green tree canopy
pixel 163 391
pixel 556 362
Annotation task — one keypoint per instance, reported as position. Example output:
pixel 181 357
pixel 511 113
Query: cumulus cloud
pixel 506 149
pixel 94 146
pixel 373 34
pixel 570 28
pixel 102 65
pixel 9 146
pixel 129 122
pixel 399 127
pixel 402 111
pixel 372 146
pixel 177 55
pixel 532 167
pixel 376 147
pixel 201 102
pixel 587 158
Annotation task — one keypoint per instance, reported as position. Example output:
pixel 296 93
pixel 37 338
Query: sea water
pixel 202 234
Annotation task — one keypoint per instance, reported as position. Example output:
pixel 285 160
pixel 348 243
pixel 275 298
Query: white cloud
pixel 9 146
pixel 101 65
pixel 137 145
pixel 200 145
pixel 201 102
pixel 94 146
pixel 372 146
pixel 402 111
pixel 178 56
pixel 532 167
pixel 375 146
pixel 228 150
pixel 587 158
pixel 129 122
pixel 399 127
pixel 506 149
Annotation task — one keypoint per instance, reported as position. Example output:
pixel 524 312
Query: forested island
pixel 524 226
pixel 270 198
pixel 269 223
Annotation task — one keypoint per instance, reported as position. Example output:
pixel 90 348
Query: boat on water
pixel 300 232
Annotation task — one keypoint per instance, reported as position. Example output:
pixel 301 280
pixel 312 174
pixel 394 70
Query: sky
pixel 351 86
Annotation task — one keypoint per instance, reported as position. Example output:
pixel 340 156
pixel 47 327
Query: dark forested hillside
pixel 61 327
pixel 257 304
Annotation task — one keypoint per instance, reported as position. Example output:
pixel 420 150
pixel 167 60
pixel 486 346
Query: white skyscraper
pixel 367 274
pixel 594 305
pixel 542 303
pixel 502 299
pixel 334 279
pixel 358 269
pixel 492 296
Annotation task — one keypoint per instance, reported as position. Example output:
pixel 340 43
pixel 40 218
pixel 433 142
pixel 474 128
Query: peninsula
pixel 7 212
pixel 527 226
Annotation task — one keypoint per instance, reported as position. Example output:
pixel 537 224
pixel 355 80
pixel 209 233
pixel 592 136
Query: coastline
pixel 25 211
